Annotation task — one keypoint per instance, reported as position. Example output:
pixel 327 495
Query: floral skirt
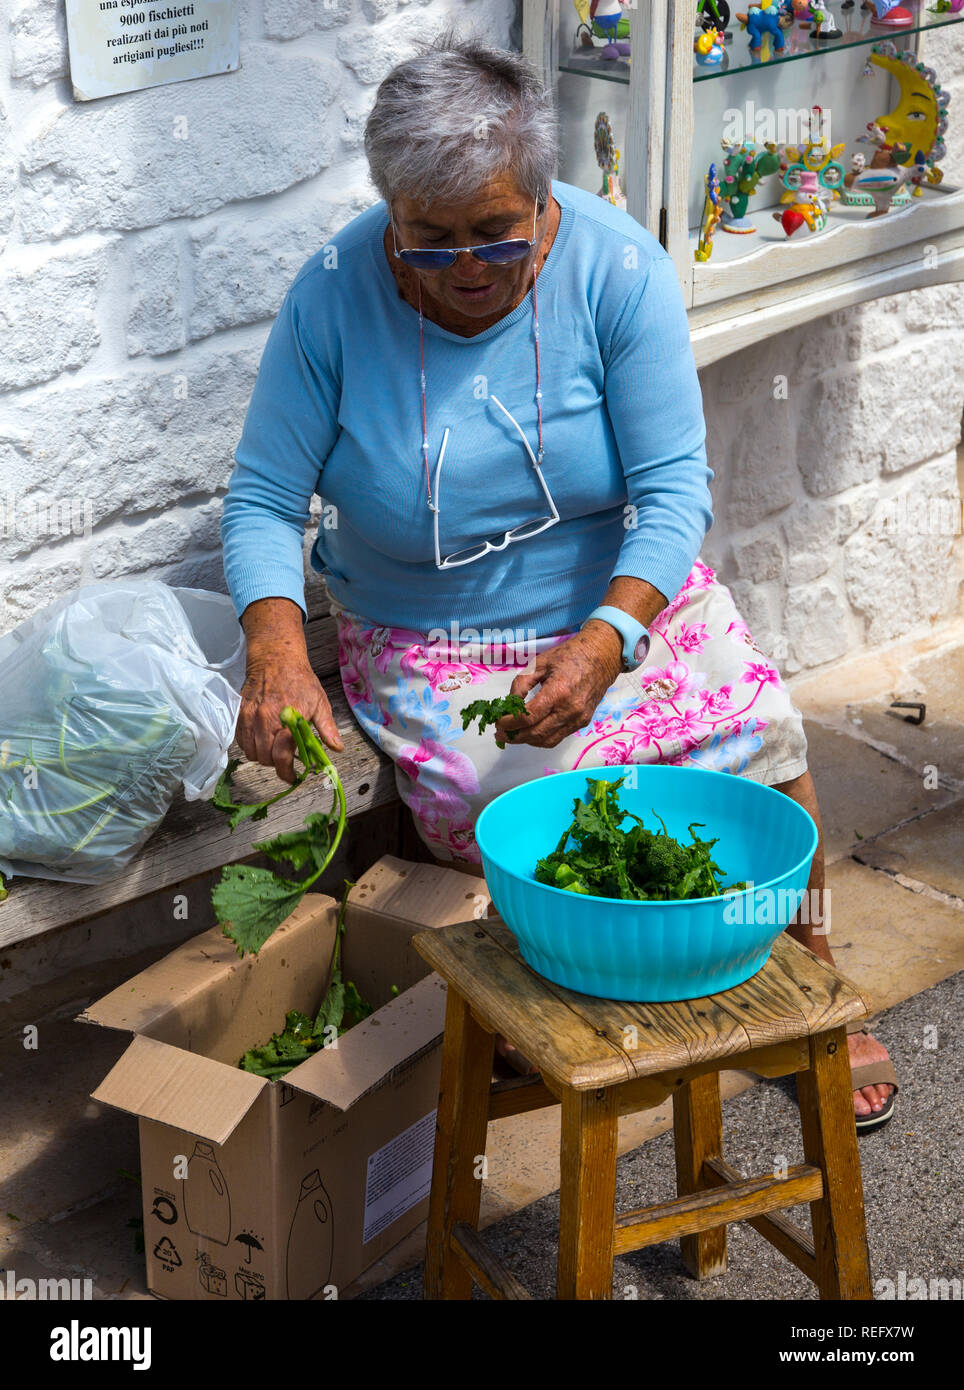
pixel 705 696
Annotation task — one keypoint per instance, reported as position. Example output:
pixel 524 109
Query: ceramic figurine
pixel 715 14
pixel 607 157
pixel 743 169
pixel 812 176
pixel 889 170
pixel 712 211
pixel 888 14
pixel 758 22
pixel 708 48
pixel 798 10
pixel 826 26
pixel 909 140
pixel 808 201
pixel 604 19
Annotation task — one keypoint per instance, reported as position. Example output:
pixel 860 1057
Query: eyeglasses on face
pixel 492 253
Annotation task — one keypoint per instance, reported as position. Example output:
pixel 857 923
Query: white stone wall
pixel 837 495
pixel 147 240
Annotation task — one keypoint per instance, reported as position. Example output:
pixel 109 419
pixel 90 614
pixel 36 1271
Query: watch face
pixel 641 650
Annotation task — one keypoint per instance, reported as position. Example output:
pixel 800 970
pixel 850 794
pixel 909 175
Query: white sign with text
pixel 124 45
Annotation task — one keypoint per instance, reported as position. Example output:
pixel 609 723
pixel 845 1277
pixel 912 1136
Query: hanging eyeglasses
pixel 516 533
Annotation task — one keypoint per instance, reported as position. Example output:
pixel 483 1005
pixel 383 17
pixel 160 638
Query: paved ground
pixel 892 798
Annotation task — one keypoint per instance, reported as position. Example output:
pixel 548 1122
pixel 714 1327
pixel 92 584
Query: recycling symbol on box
pixel 165 1252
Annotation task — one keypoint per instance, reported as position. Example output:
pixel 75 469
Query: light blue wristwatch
pixel 635 636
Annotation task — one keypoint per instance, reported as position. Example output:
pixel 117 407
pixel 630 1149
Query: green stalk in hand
pixel 250 903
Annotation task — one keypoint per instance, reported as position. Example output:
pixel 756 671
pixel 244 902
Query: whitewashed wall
pixel 837 509
pixel 140 272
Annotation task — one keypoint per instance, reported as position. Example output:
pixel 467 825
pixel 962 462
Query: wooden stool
pixel 600 1059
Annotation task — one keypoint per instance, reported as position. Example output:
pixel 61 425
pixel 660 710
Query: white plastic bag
pixel 111 699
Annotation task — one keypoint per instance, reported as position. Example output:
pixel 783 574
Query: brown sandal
pixel 873 1074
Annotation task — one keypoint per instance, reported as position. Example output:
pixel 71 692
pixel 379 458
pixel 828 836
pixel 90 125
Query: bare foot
pixel 864 1049
pixel 514 1058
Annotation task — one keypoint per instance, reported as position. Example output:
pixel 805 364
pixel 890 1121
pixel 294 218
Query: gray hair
pixel 456 115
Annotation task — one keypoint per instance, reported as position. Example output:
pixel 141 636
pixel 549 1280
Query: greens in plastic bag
pixel 111 700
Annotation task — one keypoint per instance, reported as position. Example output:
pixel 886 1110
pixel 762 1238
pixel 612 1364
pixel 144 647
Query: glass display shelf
pixel 857 31
pixel 584 63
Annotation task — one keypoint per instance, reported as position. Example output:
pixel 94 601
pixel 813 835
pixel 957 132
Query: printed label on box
pixel 399 1175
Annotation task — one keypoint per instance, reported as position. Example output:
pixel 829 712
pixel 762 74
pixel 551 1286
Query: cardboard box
pixel 255 1189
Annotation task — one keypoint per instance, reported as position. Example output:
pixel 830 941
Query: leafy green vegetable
pixel 309 749
pixel 3 891
pixel 491 711
pixel 222 800
pixel 304 1036
pixel 609 862
pixel 250 902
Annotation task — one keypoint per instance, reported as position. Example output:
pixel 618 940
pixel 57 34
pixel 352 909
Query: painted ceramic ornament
pixel 708 48
pixel 715 14
pixel 825 26
pixel 889 14
pixel 743 168
pixel 854 196
pixel 712 212
pixel 797 11
pixel 604 19
pixel 607 157
pixel 909 140
pixel 812 178
pixel 879 181
pixel 759 22
pixel 812 12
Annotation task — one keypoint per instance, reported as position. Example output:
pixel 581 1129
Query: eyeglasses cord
pixel 421 356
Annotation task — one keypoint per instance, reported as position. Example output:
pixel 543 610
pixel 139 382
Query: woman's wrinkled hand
pixel 574 677
pixel 270 685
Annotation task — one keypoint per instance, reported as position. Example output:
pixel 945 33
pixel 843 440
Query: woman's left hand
pixel 575 675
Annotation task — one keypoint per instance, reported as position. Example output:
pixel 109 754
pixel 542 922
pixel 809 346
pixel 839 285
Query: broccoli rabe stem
pixel 311 750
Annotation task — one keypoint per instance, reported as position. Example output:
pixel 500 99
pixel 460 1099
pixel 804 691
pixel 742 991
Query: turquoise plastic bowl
pixel 650 951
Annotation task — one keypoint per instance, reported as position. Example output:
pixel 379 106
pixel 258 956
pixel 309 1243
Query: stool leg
pixel 698 1134
pixel 460 1134
pixel 830 1142
pixel 587 1194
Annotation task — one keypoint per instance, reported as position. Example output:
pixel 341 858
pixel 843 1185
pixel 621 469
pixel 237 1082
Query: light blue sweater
pixel 336 410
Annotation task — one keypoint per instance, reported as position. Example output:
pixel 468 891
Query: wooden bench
pixel 194 839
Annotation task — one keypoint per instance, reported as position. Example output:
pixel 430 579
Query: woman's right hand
pixel 272 682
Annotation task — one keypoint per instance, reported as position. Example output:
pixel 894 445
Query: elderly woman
pixel 488 378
